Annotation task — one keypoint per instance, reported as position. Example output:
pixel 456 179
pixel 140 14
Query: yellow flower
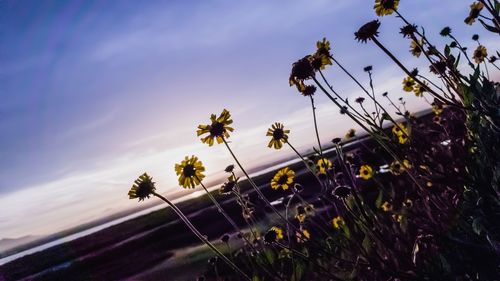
pixel 304 212
pixel 338 222
pixel 437 108
pixel 351 133
pixel 398 217
pixel 397 168
pixel 274 234
pixel 402 139
pixel 283 179
pixel 385 7
pixel 322 57
pixel 415 48
pixel 143 187
pixel 475 9
pixel 408 84
pixel 419 89
pixel 366 172
pixel 399 130
pixel 324 165
pixel 480 54
pixel 278 135
pixel 386 207
pixel 218 129
pixel 190 172
pixel 278 231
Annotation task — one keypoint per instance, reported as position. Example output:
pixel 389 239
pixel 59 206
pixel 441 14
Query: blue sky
pixel 94 93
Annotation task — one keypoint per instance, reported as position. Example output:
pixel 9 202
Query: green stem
pixel 202 237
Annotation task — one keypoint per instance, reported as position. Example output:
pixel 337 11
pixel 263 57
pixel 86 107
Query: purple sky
pixel 94 93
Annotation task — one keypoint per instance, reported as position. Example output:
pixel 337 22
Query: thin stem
pixel 255 187
pixel 305 163
pixel 202 237
pixel 316 126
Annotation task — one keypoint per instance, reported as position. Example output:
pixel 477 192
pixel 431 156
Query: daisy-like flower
pixel 303 235
pixel 218 129
pixel 274 234
pixel 366 172
pixel 420 89
pixel 324 164
pixel 229 185
pixel 415 48
pixel 322 57
pixel 385 7
pixel 308 90
pixel 301 70
pixel 143 187
pixel 301 214
pixel 367 31
pixel 475 9
pixel 283 179
pixel 351 133
pixel 399 130
pixel 338 222
pixel 397 168
pixel 190 172
pixel 408 30
pixel 278 135
pixel 437 108
pixel 386 207
pixel 408 84
pixel 480 54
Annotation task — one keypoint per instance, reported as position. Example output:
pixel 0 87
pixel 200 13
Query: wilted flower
pixel 408 30
pixel 480 54
pixel 283 179
pixel 438 67
pixel 359 100
pixel 415 48
pixel 308 90
pixel 338 222
pixel 301 70
pixel 336 140
pixel 351 133
pixel 492 59
pixel 229 168
pixel 367 31
pixel 420 89
pixel 278 135
pixel 386 207
pixel 142 188
pixel 229 185
pixel 218 129
pixel 385 7
pixel 368 68
pixel 445 31
pixel 190 172
pixel 366 172
pixel 397 168
pixel 475 9
pixel 408 84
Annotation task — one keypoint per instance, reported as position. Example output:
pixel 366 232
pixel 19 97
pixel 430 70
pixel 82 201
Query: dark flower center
pixel 365 172
pixel 144 189
pixel 302 69
pixel 217 129
pixel 409 83
pixel 301 210
pixel 283 179
pixel 270 236
pixel 278 134
pixel 388 4
pixel 189 171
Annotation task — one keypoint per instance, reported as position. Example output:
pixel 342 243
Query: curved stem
pixel 316 126
pixel 202 237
